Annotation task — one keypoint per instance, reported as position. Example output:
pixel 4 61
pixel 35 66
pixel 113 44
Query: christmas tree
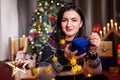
pixel 43 23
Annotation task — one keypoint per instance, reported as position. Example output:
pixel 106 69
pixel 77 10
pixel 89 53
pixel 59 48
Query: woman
pixel 70 25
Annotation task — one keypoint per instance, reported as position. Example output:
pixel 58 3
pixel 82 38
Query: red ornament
pixel 118 46
pixel 35 34
pixel 96 28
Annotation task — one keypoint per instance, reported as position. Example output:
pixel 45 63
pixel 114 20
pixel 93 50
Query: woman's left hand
pixel 94 39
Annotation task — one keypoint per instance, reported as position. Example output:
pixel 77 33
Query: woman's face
pixel 71 22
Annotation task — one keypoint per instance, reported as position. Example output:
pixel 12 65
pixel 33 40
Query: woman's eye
pixel 74 20
pixel 63 20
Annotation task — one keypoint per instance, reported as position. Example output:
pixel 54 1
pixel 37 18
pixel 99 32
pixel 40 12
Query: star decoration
pixel 17 67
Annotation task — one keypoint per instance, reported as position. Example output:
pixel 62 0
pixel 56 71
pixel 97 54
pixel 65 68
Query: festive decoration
pixel 54 58
pixel 96 28
pixel 43 23
pixel 118 54
pixel 62 41
pixel 17 67
pixel 47 70
pixel 109 28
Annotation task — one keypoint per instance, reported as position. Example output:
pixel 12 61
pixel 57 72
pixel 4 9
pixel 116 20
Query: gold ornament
pixel 62 41
pixel 47 70
pixel 54 58
pixel 73 61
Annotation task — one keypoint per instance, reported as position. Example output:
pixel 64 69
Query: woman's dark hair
pixel 58 33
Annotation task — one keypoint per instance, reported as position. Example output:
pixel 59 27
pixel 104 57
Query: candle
pixel 116 27
pixel 108 27
pixel 101 34
pixel 104 30
pixel 24 43
pixel 111 22
pixel 13 46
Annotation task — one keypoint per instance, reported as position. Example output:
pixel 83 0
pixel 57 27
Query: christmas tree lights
pixel 43 23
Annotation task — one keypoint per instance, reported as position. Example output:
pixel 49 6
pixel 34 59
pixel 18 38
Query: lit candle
pixel 111 22
pixel 108 27
pixel 101 34
pixel 104 30
pixel 23 35
pixel 116 27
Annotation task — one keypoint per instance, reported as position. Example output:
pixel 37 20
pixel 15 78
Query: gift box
pixel 81 44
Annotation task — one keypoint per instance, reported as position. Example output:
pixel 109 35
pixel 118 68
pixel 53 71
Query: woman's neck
pixel 69 38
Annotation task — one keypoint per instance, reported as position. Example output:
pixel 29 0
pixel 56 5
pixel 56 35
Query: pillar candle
pixel 24 43
pixel 13 46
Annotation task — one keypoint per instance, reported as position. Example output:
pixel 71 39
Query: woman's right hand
pixel 69 54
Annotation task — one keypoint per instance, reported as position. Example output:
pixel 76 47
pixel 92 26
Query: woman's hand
pixel 69 54
pixel 95 39
pixel 95 42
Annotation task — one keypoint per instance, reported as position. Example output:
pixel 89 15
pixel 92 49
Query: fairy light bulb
pixel 47 70
pixel 54 58
pixel 62 41
pixel 73 61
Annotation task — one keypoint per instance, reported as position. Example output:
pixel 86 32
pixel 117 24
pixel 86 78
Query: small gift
pixel 81 44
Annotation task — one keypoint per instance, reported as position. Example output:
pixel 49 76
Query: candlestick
pixel 116 27
pixel 108 27
pixel 111 22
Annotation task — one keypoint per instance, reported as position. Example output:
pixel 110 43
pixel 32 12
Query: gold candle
pixel 13 46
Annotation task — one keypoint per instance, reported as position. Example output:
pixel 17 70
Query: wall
pixel 8 26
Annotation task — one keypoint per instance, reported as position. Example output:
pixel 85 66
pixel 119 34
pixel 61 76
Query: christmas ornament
pixel 62 41
pixel 96 28
pixel 17 67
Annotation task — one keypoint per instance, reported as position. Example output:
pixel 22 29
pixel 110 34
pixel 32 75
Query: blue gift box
pixel 81 44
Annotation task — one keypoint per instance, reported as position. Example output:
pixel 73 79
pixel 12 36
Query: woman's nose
pixel 69 23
